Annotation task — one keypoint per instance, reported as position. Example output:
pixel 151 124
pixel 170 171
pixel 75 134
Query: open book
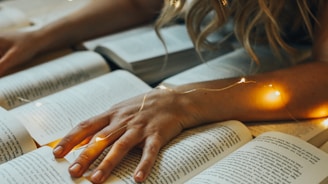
pixel 143 53
pixel 49 77
pixel 51 117
pixel 225 153
pixel 206 153
pixel 47 119
pixel 221 152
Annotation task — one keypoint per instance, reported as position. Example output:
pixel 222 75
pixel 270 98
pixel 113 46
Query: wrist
pixel 42 41
pixel 192 104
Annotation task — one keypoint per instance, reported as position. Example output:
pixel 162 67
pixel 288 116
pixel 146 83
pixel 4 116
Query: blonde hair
pixel 272 21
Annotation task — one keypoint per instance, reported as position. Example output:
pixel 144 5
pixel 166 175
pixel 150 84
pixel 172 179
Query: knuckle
pixel 67 140
pixel 84 157
pixel 123 145
pixel 107 163
pixel 84 125
pixel 148 162
pixel 154 147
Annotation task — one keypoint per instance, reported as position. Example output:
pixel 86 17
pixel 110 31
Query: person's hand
pixel 16 48
pixel 148 121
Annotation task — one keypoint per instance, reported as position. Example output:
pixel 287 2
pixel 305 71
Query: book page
pixel 55 75
pixel 12 18
pixel 272 157
pixel 51 117
pixel 149 60
pixel 324 147
pixel 38 166
pixel 92 44
pixel 320 139
pixel 149 45
pixel 304 129
pixel 14 138
pixel 40 59
pixel 186 155
pixel 236 63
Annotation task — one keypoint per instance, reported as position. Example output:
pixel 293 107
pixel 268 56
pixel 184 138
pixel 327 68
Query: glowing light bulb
pixel 277 93
pixel 325 122
pixel 242 80
pixel 320 111
pixel 272 96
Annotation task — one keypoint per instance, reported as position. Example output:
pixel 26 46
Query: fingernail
pixel 75 168
pixel 58 150
pixel 139 176
pixel 97 176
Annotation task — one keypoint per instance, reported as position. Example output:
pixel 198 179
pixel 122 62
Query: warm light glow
pixel 325 122
pixel 53 144
pixel 242 80
pixel 319 112
pixel 271 98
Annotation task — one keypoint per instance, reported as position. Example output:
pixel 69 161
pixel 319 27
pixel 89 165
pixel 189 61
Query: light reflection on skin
pixel 320 111
pixel 271 98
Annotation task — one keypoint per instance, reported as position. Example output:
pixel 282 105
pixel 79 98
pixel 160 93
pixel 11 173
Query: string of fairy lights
pixel 272 97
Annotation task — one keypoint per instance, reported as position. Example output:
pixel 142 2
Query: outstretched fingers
pixel 78 134
pixel 119 150
pixel 150 151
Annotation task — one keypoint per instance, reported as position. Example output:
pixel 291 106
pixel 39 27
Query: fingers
pixel 78 134
pixel 149 155
pixel 86 158
pixel 127 129
pixel 119 150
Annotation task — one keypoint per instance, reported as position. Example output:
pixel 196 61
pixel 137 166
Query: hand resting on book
pixel 144 121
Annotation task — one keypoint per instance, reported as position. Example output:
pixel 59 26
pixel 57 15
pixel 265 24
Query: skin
pixel 165 113
pixel 88 23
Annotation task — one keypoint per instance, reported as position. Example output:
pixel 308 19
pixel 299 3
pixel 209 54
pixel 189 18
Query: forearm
pixel 298 92
pixel 98 18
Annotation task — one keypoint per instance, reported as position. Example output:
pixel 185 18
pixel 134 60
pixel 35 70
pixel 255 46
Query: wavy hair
pixel 277 22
